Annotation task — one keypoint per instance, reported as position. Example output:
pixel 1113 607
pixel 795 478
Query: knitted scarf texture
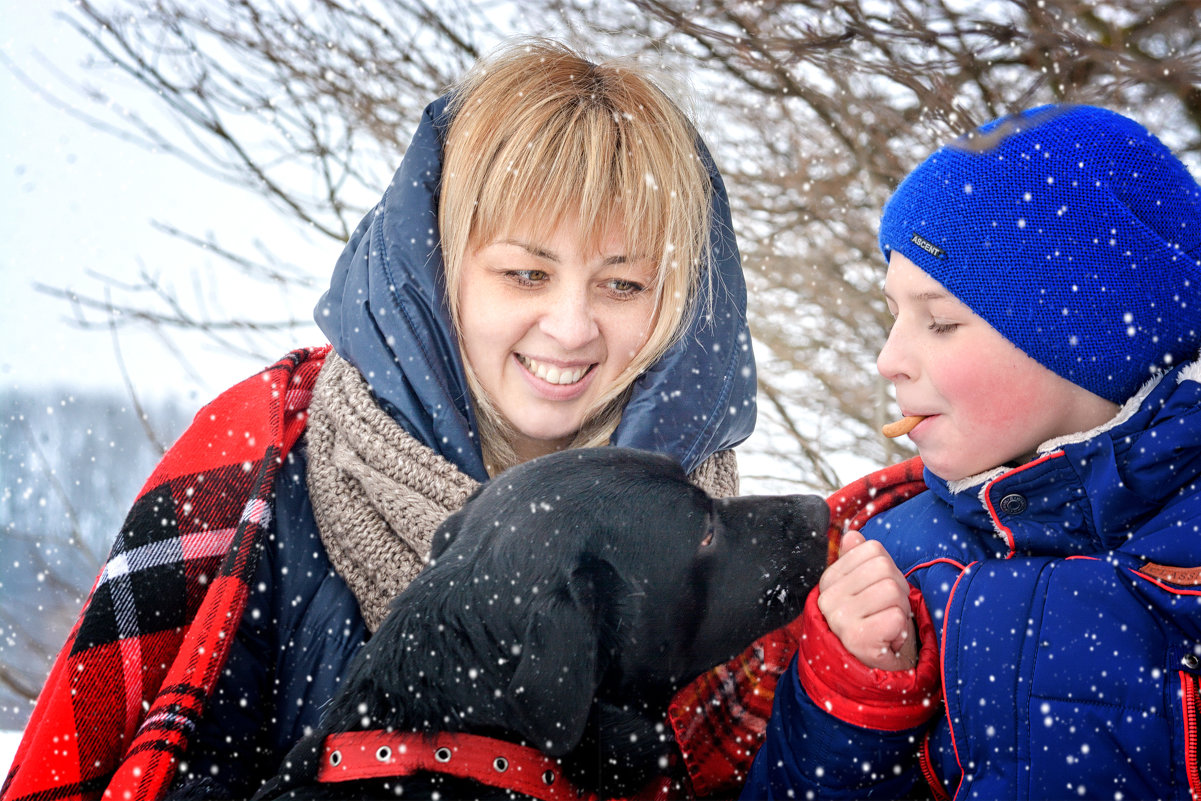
pixel 377 493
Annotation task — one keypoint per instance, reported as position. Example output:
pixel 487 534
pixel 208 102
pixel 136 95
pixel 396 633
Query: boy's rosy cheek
pixel 963 384
pixel 1002 416
pixel 983 406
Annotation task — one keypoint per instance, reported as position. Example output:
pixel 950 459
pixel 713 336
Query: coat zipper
pixel 940 792
pixel 1191 701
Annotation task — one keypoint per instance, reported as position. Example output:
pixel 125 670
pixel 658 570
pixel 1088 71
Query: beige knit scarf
pixel 378 494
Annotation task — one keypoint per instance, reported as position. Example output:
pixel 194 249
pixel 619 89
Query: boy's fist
pixel 865 601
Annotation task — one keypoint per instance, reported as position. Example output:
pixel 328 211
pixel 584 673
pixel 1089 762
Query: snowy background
pixel 8 746
pixel 81 203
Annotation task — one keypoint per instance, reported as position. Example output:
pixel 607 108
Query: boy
pixel 1045 278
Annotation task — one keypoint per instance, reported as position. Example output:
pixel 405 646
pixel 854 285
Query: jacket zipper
pixel 1190 701
pixel 940 792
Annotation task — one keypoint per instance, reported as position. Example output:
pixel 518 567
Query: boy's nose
pixel 570 321
pixel 892 362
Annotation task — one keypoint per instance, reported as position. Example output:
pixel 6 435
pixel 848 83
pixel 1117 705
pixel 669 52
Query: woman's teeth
pixel 551 374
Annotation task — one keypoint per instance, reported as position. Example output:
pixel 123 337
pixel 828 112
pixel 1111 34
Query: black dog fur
pixel 562 608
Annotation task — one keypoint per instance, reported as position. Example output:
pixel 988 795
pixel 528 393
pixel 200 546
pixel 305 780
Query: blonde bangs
pixel 563 170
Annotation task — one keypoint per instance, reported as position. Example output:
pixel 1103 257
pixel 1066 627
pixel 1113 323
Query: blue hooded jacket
pixel 386 313
pixel 1066 600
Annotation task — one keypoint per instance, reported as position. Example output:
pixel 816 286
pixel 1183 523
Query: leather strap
pixel 1184 576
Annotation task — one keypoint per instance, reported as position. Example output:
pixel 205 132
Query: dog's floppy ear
pixel 559 669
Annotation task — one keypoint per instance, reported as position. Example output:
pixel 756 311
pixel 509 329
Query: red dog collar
pixel 356 755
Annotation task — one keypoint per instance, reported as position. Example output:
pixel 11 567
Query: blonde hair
pixel 540 135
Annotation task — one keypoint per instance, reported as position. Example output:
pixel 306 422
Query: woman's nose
pixel 570 320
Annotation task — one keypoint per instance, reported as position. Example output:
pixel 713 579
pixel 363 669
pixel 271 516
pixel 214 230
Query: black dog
pixel 563 606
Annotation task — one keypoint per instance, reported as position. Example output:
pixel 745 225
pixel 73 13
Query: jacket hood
pixel 386 313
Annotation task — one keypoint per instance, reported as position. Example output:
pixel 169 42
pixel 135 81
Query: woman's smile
pixel 552 374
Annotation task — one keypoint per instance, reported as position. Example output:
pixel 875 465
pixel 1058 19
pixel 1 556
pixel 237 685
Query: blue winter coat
pixel 385 312
pixel 1066 601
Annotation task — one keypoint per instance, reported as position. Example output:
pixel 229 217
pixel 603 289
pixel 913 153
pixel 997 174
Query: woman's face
pixel 548 327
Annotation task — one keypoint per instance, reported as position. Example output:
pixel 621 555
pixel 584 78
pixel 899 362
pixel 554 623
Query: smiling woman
pixel 601 162
pixel 540 274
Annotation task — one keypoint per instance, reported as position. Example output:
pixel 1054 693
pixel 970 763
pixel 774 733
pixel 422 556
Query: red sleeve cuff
pixel 886 700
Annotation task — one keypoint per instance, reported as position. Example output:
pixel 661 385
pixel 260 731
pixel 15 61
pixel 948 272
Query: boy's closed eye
pixel 938 323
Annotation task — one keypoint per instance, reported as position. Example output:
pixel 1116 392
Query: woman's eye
pixel 624 288
pixel 527 277
pixel 942 328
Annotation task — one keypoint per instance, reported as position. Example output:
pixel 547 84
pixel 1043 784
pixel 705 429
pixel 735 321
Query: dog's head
pixel 604 572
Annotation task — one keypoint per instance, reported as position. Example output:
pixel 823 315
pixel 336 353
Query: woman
pixel 552 266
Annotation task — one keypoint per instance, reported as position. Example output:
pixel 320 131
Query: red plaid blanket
pixel 126 690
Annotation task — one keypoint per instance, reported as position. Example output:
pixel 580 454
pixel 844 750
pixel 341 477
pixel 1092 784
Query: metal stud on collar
pixel 442 754
pixel 383 753
pixel 500 764
pixel 335 758
pixel 548 777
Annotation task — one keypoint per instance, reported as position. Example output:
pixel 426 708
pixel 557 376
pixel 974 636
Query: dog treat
pixel 899 428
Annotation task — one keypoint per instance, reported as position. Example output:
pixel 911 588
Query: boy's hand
pixel 865 601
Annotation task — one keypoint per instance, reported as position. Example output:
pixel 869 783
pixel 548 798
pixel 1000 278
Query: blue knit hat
pixel 1073 231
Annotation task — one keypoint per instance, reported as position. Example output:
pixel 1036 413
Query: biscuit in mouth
pixel 899 428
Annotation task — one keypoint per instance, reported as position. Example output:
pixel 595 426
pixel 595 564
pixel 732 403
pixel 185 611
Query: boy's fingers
pixel 880 596
pixel 899 643
pixel 871 638
pixel 858 560
pixel 844 569
pixel 849 541
pixel 887 627
pixel 853 553
pixel 861 596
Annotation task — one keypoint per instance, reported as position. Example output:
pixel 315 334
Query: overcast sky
pixel 78 200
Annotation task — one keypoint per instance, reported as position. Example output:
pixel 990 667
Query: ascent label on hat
pixel 928 246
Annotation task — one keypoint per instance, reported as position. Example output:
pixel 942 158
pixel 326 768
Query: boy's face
pixel 986 403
